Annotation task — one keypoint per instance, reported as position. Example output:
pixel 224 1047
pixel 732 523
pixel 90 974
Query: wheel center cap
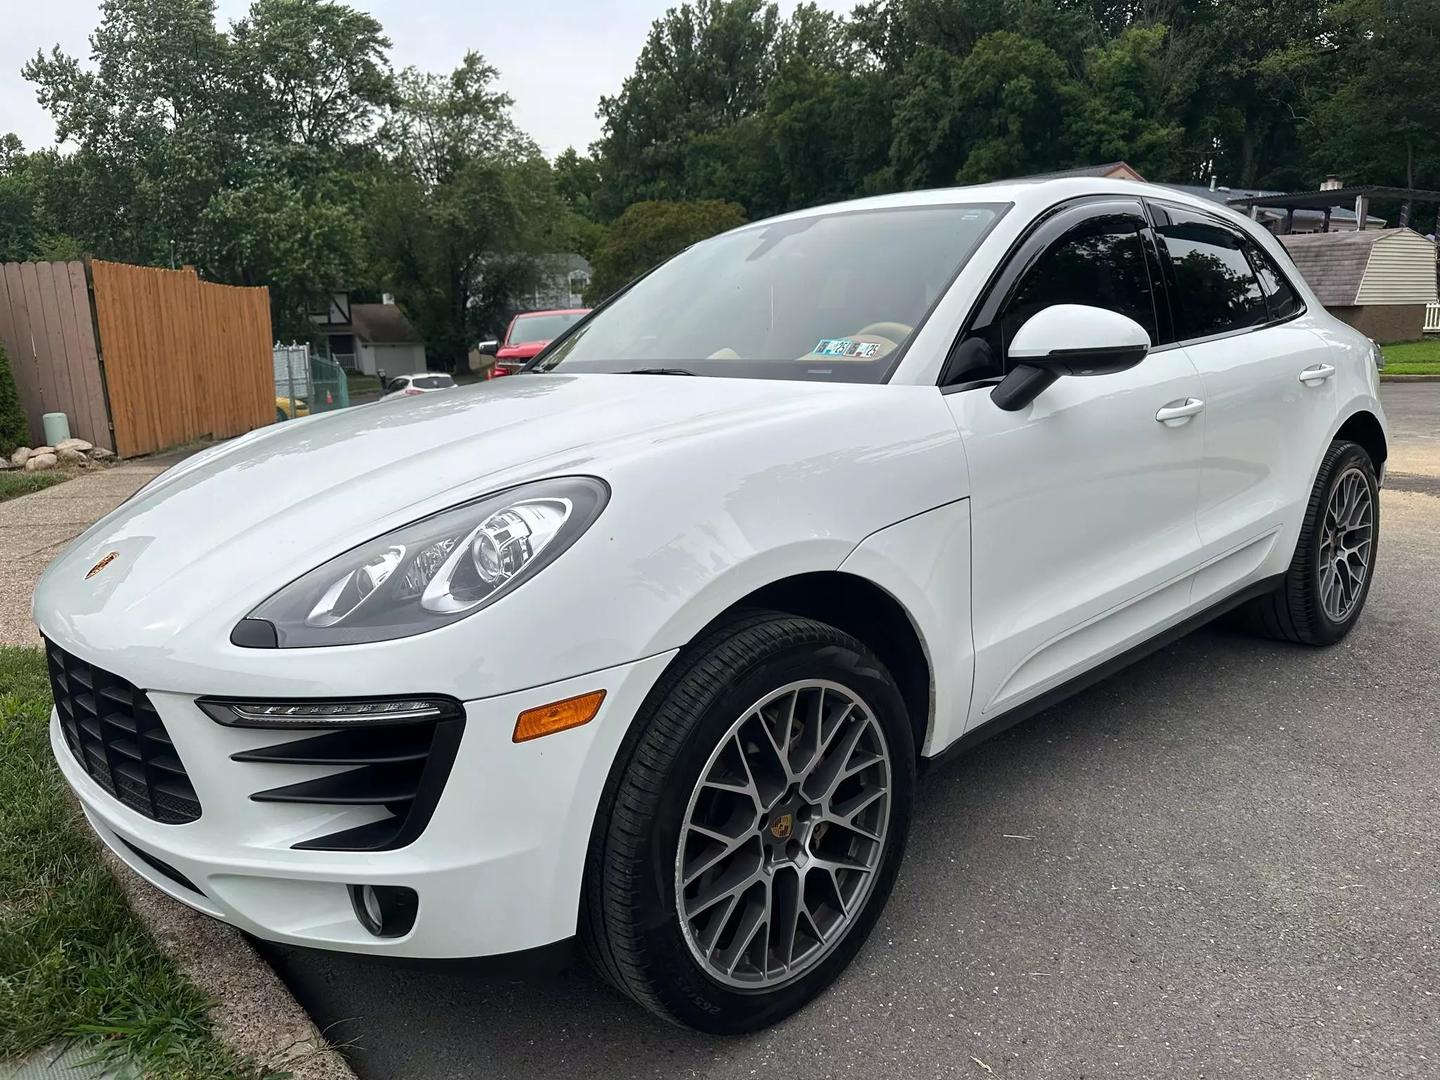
pixel 782 826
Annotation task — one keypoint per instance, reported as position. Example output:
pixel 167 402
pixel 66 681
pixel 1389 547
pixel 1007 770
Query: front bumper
pixel 497 869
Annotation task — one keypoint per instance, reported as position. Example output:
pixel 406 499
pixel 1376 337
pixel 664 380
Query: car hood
pixel 231 524
pixel 521 352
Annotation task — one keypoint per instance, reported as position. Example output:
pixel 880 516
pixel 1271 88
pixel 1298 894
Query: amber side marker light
pixel 557 716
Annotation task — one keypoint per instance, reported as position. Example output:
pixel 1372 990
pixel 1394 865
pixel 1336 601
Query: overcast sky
pixel 556 57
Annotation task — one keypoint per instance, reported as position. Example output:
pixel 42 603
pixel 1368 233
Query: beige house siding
pixel 1400 270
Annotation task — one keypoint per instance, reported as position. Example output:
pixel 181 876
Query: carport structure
pixel 1328 198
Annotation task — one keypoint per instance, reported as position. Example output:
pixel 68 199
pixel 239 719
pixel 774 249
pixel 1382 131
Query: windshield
pixel 531 328
pixel 829 297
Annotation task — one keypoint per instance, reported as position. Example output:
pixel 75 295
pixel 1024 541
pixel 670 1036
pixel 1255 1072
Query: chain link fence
pixel 306 383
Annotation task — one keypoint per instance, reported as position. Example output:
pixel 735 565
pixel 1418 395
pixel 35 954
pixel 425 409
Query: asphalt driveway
pixel 1222 861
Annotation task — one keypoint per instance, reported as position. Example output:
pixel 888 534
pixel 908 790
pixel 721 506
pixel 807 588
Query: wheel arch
pixel 1363 427
pixel 862 609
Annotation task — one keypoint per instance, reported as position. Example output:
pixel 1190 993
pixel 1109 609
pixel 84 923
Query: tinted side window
pixel 1215 289
pixel 1100 262
pixel 1278 293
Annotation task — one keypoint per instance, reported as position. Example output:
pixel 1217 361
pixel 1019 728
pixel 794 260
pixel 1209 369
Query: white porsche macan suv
pixel 649 643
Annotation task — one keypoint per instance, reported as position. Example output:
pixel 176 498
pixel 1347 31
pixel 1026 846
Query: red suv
pixel 530 332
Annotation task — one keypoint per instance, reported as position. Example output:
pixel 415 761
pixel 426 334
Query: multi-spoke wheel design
pixel 1346 539
pixel 783 835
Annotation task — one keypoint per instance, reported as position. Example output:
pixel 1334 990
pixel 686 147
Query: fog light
pixel 385 910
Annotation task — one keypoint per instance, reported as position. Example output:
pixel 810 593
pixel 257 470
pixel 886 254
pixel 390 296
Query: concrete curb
pixel 253 1011
pixel 1409 378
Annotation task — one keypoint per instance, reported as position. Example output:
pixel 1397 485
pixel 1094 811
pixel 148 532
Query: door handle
pixel 1179 412
pixel 1315 374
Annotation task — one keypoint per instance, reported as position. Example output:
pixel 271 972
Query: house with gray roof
pixel 1378 280
pixel 371 338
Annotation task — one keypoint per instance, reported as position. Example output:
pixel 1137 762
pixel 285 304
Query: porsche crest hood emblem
pixel 106 561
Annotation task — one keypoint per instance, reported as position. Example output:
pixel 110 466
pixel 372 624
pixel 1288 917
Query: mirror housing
pixel 1068 339
pixel 488 348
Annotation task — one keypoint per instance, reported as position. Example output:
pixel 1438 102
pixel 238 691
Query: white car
pixel 609 650
pixel 422 382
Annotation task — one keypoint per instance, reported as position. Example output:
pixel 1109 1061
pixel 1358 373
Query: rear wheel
pixel 1329 578
pixel 752 827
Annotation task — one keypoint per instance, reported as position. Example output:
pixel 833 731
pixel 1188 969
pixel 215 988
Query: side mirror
pixel 1068 339
pixel 488 348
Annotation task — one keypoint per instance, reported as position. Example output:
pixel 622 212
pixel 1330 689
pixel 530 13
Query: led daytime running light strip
pixel 271 714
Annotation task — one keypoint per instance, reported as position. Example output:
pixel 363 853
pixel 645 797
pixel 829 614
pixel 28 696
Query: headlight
pixel 431 572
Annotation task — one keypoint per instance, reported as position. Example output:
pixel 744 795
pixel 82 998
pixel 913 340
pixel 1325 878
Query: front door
pixel 1082 503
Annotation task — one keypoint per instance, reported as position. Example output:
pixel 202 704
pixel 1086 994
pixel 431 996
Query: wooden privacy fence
pixel 164 358
pixel 48 335
pixel 183 357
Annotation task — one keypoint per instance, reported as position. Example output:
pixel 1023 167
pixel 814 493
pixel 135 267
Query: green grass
pixel 18 482
pixel 363 384
pixel 1413 357
pixel 74 961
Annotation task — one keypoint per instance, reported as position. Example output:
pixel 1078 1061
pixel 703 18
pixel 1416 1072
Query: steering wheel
pixel 893 332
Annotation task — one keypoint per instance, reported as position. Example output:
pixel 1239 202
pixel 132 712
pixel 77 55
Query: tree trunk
pixel 1248 165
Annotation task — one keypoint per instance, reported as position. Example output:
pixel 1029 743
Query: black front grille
pixel 117 737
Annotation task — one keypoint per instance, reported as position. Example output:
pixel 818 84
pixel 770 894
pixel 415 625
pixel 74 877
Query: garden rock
pixel 42 450
pixel 99 453
pixel 20 455
pixel 41 462
pixel 71 455
pixel 74 444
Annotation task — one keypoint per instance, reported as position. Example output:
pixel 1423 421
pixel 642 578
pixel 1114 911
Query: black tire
pixel 629 926
pixel 1294 612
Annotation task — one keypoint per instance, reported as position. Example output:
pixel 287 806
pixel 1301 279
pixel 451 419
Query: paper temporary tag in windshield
pixel 861 350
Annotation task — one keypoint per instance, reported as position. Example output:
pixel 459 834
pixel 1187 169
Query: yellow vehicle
pixel 289 408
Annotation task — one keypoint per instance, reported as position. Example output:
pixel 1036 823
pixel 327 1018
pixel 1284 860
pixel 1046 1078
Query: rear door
pixel 1242 326
pixel 1082 503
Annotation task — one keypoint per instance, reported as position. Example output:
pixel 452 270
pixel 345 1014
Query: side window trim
pixel 1158 210
pixel 1251 249
pixel 1023 253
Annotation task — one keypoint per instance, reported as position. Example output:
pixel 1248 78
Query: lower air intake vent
pixel 401 767
pixel 117 737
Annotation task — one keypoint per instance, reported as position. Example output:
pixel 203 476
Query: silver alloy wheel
pixel 783 836
pixel 1346 540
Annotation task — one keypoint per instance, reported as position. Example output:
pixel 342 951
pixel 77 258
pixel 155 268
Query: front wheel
pixel 753 825
pixel 1324 591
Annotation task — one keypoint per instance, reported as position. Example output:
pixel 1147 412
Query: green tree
pixel 1242 118
pixel 1125 107
pixel 14 427
pixel 1374 113
pixel 310 71
pixel 704 66
pixel 464 205
pixel 150 120
pixel 1006 93
pixel 577 179
pixel 650 232
pixel 577 183
pixel 241 153
pixel 26 228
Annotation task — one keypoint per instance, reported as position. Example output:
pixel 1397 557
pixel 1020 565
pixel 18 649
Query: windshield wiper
pixel 660 371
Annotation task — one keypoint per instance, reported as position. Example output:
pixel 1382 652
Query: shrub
pixel 14 427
